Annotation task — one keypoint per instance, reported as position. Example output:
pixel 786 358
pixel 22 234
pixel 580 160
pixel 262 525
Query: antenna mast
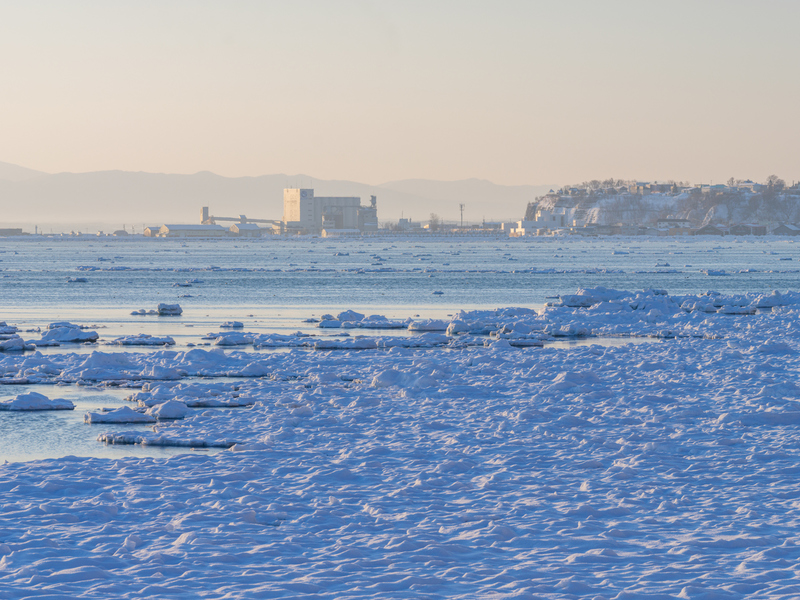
pixel 461 206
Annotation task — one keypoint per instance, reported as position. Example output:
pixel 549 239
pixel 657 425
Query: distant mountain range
pixel 134 198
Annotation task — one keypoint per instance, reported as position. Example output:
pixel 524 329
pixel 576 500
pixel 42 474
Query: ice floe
pixel 143 339
pixel 33 401
pixel 169 309
pixel 67 333
pixel 123 414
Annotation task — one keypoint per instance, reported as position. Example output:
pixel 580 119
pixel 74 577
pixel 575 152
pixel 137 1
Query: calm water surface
pixel 273 285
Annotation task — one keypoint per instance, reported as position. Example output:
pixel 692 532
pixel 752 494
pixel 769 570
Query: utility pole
pixel 461 206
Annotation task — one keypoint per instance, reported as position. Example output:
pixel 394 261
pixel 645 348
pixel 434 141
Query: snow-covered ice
pixel 143 339
pixel 123 414
pixel 33 401
pixel 468 466
pixel 65 333
pixel 169 309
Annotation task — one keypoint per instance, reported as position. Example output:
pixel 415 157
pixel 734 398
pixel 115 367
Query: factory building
pixel 245 230
pixel 305 213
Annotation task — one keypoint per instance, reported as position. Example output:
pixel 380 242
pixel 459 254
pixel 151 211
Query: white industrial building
pixel 305 212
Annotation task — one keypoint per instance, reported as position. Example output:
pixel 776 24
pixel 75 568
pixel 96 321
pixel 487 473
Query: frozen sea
pixel 605 418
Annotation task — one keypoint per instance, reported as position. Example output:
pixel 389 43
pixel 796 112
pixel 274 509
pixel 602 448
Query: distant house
pixel 152 231
pixel 192 231
pixel 120 232
pixel 246 230
pixel 744 229
pixel 6 232
pixel 709 230
pixel 659 187
pixel 786 229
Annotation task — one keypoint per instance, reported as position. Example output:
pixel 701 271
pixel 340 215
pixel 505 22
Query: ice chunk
pixel 58 324
pixel 173 409
pixel 233 339
pixel 349 315
pixel 123 414
pixel 69 334
pixel 428 325
pixel 329 324
pixel 232 324
pixel 36 401
pixel 169 309
pixel 15 344
pixel 143 339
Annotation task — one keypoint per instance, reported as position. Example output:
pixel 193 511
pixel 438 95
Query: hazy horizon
pixel 514 93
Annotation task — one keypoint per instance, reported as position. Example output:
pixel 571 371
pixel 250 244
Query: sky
pixel 515 92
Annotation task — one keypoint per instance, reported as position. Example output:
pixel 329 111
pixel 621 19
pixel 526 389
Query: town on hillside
pixel 617 207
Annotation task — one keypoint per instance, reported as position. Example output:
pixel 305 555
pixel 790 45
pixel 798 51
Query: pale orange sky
pixel 515 92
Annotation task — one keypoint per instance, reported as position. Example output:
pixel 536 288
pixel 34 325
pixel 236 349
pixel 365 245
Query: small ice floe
pixel 428 325
pixel 142 311
pixel 59 324
pixel 182 284
pixel 6 329
pixel 231 338
pixel 160 439
pixel 232 325
pixel 143 339
pixel 381 322
pixel 34 401
pixel 123 414
pixel 66 333
pixel 349 315
pixel 15 344
pixel 714 272
pixel 169 310
pixel 77 280
pixel 353 320
pixel 438 293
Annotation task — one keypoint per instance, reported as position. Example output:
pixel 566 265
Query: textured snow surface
pixel 663 470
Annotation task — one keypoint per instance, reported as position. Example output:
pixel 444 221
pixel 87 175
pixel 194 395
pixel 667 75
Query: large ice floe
pixel 657 470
